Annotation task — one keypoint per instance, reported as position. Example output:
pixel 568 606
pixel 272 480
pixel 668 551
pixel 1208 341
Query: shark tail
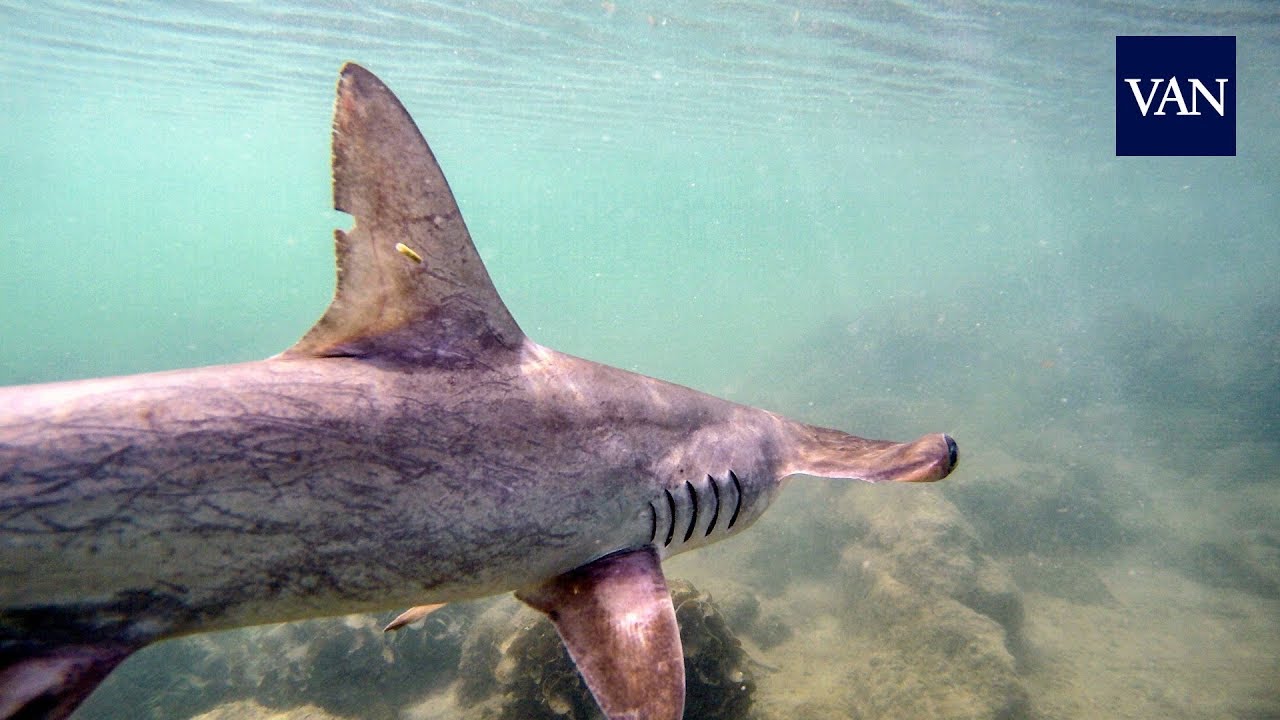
pixel 51 685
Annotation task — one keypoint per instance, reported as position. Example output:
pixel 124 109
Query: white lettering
pixel 1144 105
pixel 1173 92
pixel 1219 103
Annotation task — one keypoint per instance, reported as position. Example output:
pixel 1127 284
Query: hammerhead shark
pixel 413 448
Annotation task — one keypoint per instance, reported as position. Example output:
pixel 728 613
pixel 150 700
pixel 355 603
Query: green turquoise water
pixel 649 186
pixel 895 217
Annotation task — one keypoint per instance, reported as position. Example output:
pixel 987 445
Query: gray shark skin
pixel 413 447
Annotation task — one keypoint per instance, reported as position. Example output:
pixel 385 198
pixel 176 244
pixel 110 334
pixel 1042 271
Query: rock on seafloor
pixel 892 605
pixel 345 667
pixel 948 618
pixel 249 710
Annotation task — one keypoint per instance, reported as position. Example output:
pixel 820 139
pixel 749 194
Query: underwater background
pixel 892 218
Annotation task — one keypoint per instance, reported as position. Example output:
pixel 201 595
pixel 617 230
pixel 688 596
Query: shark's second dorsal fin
pixel 411 286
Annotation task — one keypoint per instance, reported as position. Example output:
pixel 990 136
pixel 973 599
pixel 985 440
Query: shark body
pixel 415 446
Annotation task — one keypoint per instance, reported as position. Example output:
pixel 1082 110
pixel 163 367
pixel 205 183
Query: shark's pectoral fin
pixel 616 619
pixel 52 685
pixel 411 286
pixel 412 615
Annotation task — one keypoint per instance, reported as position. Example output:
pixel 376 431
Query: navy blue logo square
pixel 1175 95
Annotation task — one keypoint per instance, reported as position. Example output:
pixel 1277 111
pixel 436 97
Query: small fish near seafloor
pixel 413 447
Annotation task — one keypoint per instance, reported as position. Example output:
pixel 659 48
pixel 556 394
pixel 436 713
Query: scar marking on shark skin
pixel 715 510
pixel 693 515
pixel 408 252
pixel 737 504
pixel 671 530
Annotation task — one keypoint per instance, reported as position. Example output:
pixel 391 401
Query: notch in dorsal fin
pixel 411 286
pixel 615 617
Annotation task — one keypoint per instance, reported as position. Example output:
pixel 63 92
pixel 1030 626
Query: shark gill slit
pixel 715 508
pixel 653 524
pixel 693 510
pixel 671 529
pixel 737 486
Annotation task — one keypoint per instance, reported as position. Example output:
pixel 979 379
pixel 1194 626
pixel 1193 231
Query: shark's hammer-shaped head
pixel 834 454
pixel 723 476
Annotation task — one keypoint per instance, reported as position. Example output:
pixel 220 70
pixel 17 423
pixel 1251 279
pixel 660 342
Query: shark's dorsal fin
pixel 411 286
pixel 615 617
